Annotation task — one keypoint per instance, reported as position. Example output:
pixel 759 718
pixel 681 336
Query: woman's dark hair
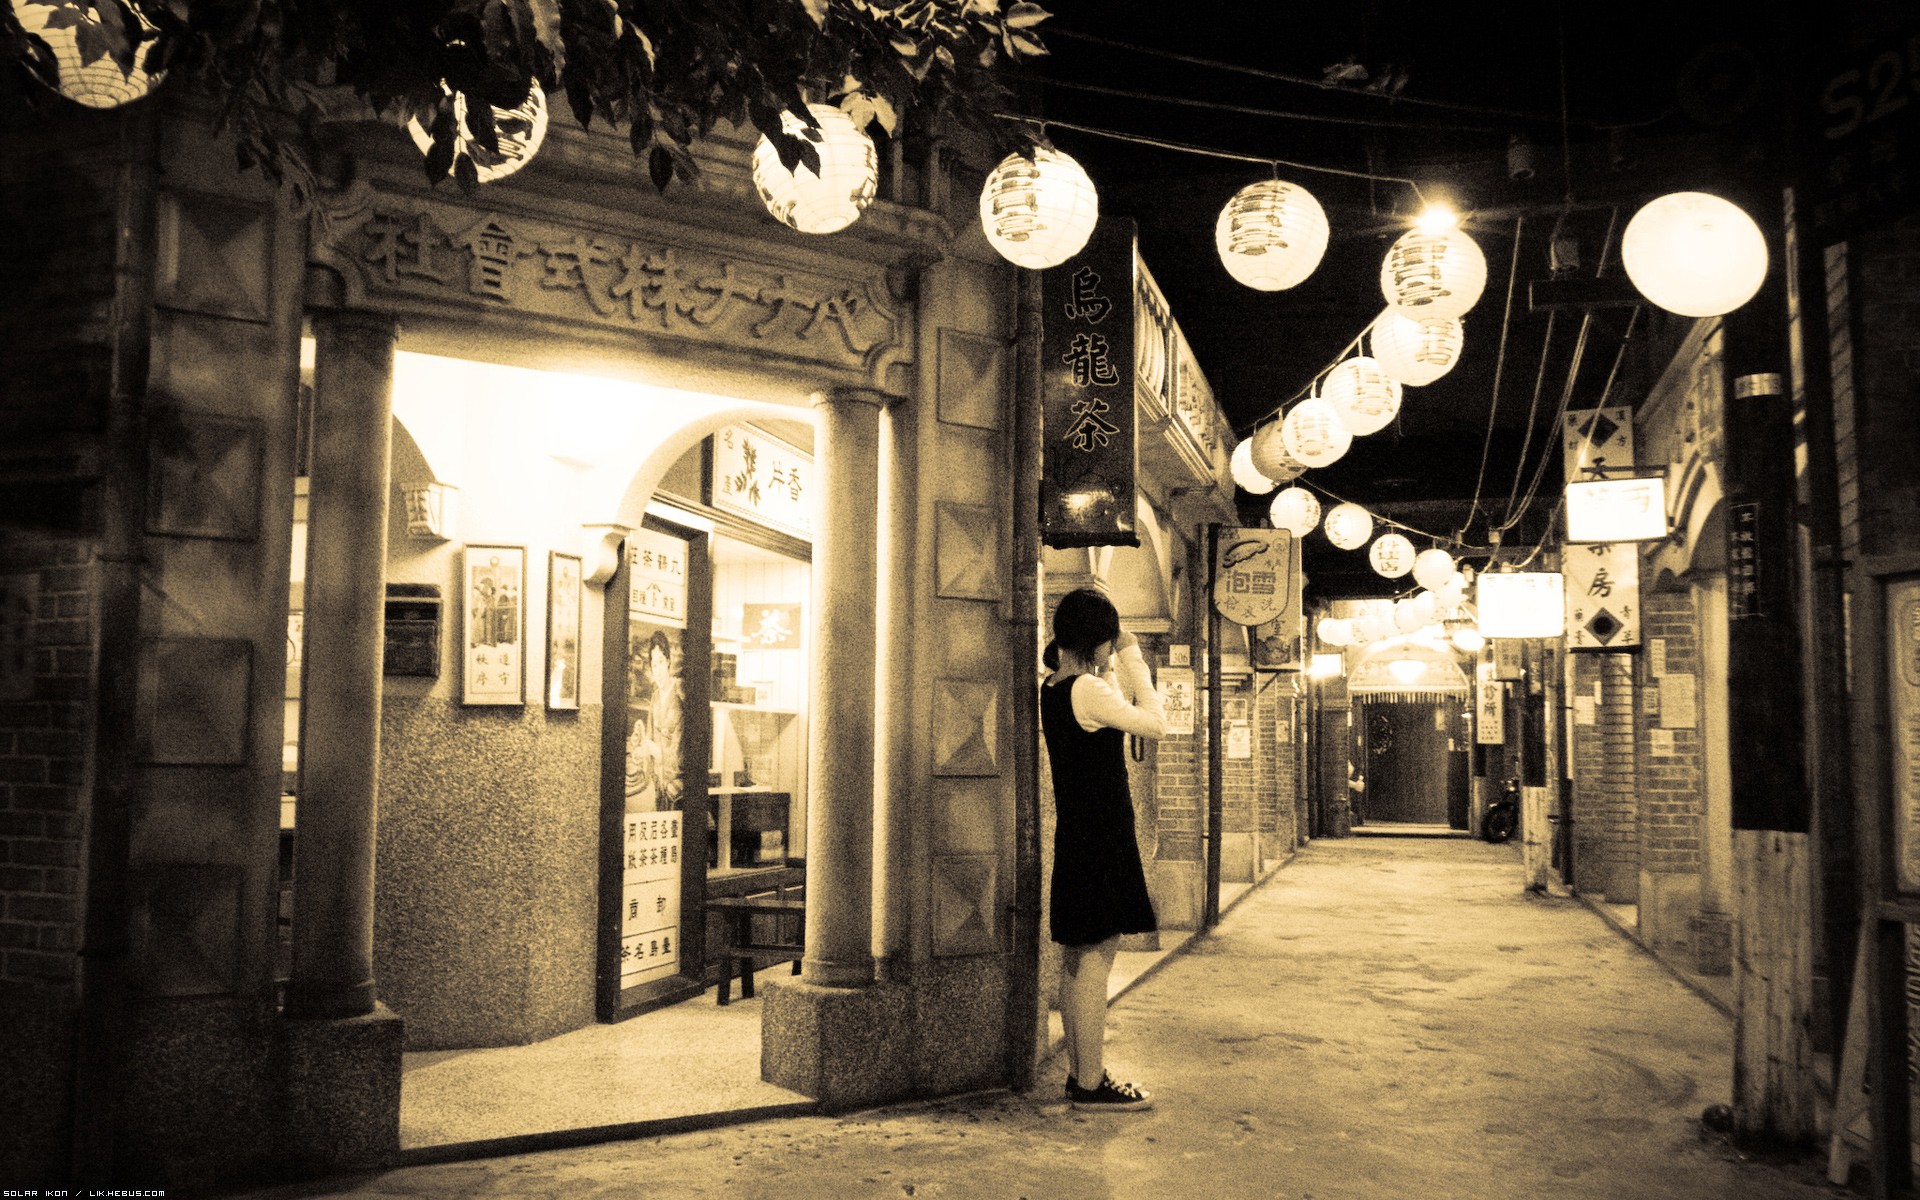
pixel 659 640
pixel 1082 620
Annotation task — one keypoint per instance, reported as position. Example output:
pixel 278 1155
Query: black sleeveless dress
pixel 1098 887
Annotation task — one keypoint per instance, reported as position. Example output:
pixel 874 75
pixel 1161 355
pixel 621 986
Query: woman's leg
pixel 1083 1008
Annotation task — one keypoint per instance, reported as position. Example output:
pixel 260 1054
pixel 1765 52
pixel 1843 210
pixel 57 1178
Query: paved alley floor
pixel 1382 1018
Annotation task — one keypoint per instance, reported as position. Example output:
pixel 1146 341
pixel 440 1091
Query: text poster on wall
pixel 1240 739
pixel 650 898
pixel 1177 699
pixel 1490 707
pixel 1256 577
pixel 658 590
pixel 758 476
pixel 1596 443
pixel 1903 700
pixel 1603 595
pixel 1087 350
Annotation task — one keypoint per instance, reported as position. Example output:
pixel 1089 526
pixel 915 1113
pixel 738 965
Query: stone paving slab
pixel 1383 1018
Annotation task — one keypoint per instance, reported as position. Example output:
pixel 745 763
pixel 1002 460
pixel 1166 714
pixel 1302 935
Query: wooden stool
pixel 737 913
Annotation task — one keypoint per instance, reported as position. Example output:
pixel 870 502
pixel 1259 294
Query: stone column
pixel 840 736
pixel 332 974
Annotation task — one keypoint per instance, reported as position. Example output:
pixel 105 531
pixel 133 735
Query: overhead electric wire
pixel 1526 441
pixel 1499 365
pixel 1321 85
pixel 1249 110
pixel 1189 148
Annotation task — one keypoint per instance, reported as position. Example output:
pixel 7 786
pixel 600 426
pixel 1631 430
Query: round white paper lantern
pixel 1335 631
pixel 1364 396
pixel 1371 626
pixel 516 149
pixel 1468 638
pixel 1694 254
pixel 1295 510
pixel 1313 434
pixel 1271 235
pixel 1425 605
pixel 832 198
pixel 1038 213
pixel 1391 555
pixel 1432 275
pixel 1416 352
pixel 1348 526
pixel 1432 568
pixel 1405 618
pixel 1270 455
pixel 100 83
pixel 1246 474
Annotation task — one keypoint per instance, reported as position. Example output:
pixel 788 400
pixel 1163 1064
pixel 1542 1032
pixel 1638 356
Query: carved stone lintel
pixel 431 509
pixel 602 551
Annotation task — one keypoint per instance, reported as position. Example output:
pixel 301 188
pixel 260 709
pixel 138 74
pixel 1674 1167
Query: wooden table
pixel 737 913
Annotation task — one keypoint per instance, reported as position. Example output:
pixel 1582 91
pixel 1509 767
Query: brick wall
pixel 1238 776
pixel 1672 795
pixel 1181 794
pixel 1606 833
pixel 43 768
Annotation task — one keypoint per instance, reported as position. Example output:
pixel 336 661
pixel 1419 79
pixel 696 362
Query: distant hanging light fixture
pixel 1362 394
pixel 520 131
pixel 1271 235
pixel 1694 254
pixel 1391 555
pixel 1248 476
pixel 100 83
pixel 1432 274
pixel 827 200
pixel 1415 352
pixel 1313 434
pixel 1038 213
pixel 1348 526
pixel 1295 510
pixel 1335 631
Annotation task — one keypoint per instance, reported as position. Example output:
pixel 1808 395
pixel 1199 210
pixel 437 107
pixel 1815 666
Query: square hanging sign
pixel 1087 336
pixel 1597 442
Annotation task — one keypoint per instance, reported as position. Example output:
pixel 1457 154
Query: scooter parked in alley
pixel 1502 815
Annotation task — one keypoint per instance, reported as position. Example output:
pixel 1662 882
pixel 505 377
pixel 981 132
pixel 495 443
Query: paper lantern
pixel 1371 626
pixel 1391 555
pixel 100 83
pixel 1468 638
pixel 1432 568
pixel 1295 510
pixel 1364 396
pixel 1406 617
pixel 516 148
pixel 827 200
pixel 1416 352
pixel 1431 275
pixel 1246 474
pixel 1038 213
pixel 1270 456
pixel 1694 254
pixel 1335 631
pixel 1348 526
pixel 1313 434
pixel 1425 605
pixel 1271 235
pixel 1521 604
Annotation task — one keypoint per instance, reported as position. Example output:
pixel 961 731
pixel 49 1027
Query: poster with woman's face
pixel 655 695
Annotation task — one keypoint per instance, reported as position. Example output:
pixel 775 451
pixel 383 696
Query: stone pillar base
pixel 1712 943
pixel 1239 857
pixel 845 1047
pixel 340 1110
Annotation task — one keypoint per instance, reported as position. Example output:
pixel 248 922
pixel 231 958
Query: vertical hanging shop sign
pixel 1490 707
pixel 1256 578
pixel 1603 595
pixel 1087 347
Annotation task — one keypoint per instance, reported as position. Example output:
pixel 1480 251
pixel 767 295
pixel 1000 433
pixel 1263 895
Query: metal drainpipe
pixel 1023 646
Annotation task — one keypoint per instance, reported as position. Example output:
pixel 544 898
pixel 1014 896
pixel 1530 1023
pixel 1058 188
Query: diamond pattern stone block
pixel 966 727
pixel 963 905
pixel 966 552
pixel 194 701
pixel 205 477
pixel 183 926
pixel 215 258
pixel 972 379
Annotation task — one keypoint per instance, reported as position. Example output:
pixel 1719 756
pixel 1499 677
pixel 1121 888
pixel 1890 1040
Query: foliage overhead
pixel 664 71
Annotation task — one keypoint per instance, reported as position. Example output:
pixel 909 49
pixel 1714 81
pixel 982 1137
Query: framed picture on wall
pixel 563 631
pixel 493 595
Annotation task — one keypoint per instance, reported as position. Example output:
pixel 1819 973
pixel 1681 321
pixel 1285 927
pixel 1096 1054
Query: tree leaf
pixel 1025 15
pixel 466 173
pixel 817 9
pixel 660 168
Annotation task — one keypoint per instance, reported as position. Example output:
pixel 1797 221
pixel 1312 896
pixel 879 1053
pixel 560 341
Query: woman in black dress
pixel 1100 691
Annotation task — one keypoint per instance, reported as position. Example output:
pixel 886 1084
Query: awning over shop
pixel 1407 668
